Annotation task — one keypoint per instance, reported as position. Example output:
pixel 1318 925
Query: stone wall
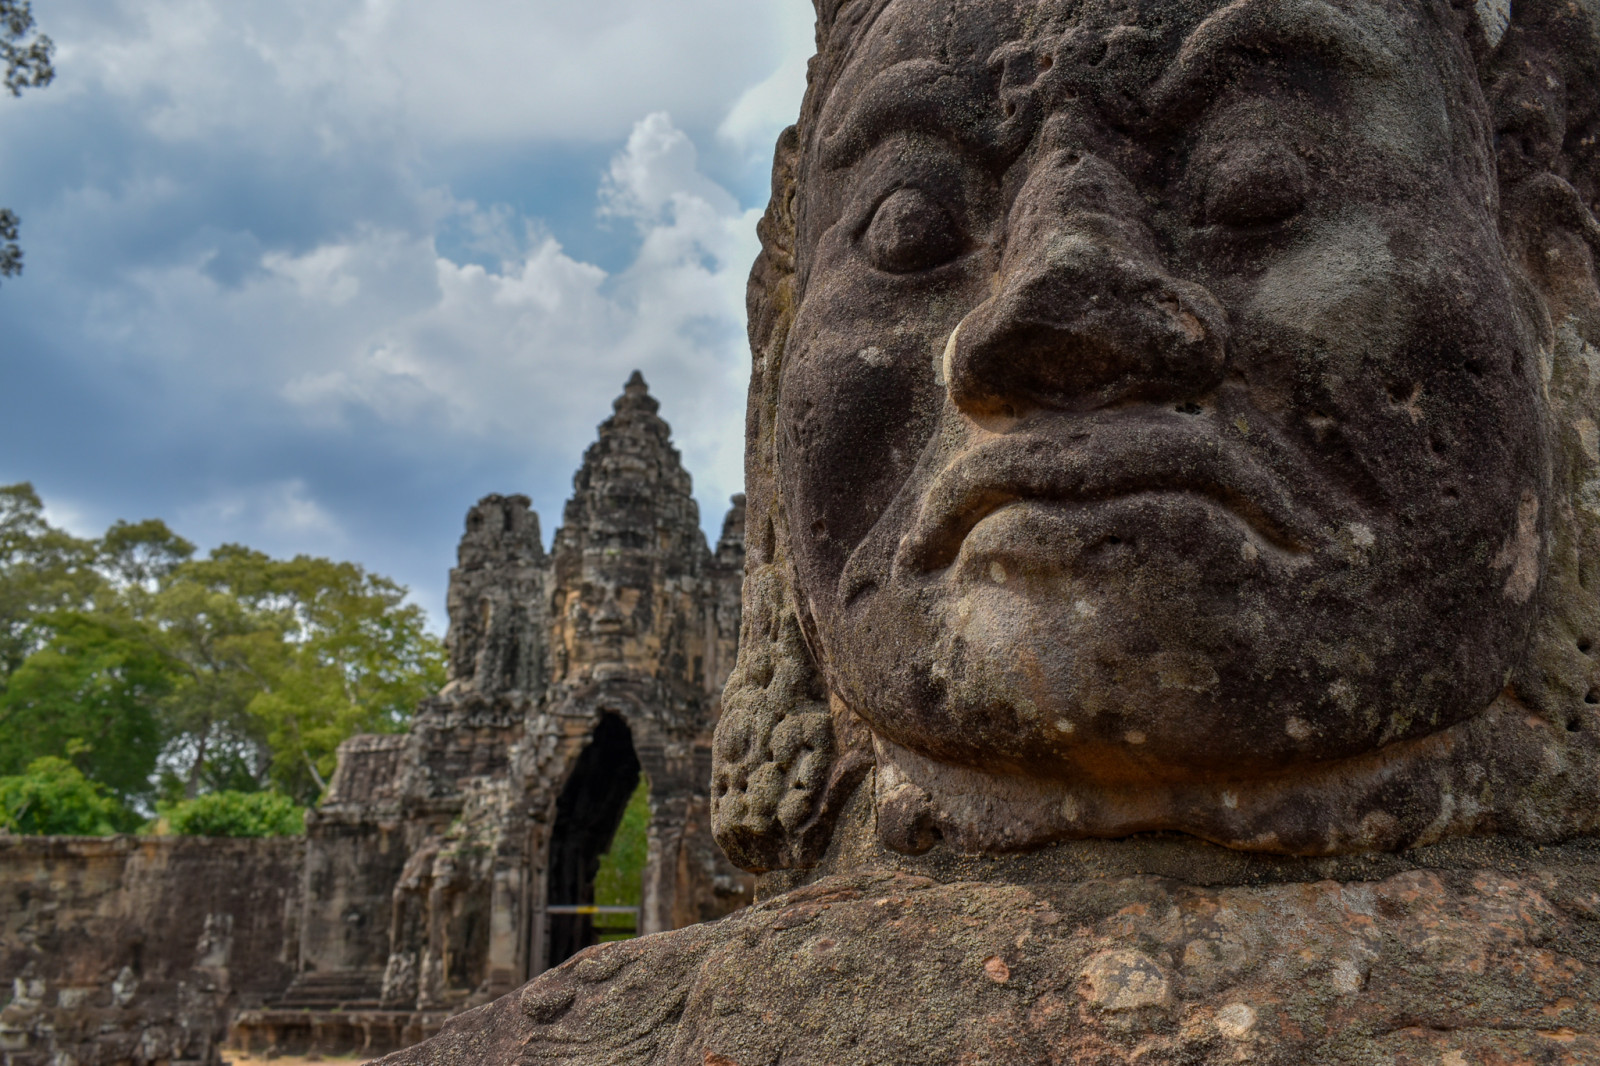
pixel 126 950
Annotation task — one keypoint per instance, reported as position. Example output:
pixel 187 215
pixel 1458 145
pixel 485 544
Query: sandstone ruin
pixel 1170 620
pixel 424 881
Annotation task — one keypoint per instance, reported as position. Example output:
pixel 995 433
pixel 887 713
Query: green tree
pixel 42 570
pixel 236 814
pixel 52 797
pixel 80 678
pixel 92 693
pixel 28 66
pixel 288 658
pixel 141 554
pixel 138 662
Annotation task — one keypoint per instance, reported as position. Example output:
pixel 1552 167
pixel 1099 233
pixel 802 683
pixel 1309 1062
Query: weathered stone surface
pixel 130 951
pixel 1432 965
pixel 1143 439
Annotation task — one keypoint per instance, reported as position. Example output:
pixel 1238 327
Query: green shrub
pixel 235 814
pixel 53 798
pixel 620 881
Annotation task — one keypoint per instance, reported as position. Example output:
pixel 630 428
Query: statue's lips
pixel 1106 460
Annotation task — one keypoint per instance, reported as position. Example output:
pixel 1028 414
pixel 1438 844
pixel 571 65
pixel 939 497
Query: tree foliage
pixel 28 62
pixel 42 570
pixel 91 692
pixel 52 797
pixel 28 66
pixel 278 661
pixel 620 879
pixel 163 676
pixel 235 814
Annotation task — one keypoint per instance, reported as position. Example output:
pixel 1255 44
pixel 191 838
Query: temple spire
pixel 636 396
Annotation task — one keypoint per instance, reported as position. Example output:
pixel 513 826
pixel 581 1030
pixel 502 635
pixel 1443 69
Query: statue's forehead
pixel 970 36
pixel 947 63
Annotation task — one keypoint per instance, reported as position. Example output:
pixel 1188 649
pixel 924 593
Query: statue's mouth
pixel 1114 456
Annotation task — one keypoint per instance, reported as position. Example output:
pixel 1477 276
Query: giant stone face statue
pixel 1172 420
pixel 1174 416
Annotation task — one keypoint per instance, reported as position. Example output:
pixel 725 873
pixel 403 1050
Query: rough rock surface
pixel 1142 440
pixel 124 951
pixel 1442 966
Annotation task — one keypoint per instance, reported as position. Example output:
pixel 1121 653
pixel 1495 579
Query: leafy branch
pixel 28 66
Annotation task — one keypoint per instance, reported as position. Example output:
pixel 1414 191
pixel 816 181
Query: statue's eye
pixel 1256 185
pixel 911 231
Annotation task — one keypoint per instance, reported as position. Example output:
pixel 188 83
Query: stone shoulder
pixel 1417 967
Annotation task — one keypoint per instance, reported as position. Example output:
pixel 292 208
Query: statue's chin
pixel 1404 794
pixel 1080 685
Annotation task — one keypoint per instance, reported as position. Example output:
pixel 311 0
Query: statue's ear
pixel 784 761
pixel 1555 238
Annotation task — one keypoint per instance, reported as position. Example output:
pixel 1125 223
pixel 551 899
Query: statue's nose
pixel 1084 314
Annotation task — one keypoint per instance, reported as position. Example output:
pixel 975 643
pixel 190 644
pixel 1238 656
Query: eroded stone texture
pixel 134 952
pixel 1433 965
pixel 1170 416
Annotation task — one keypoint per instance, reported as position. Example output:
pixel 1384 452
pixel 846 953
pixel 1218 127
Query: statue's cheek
pixel 859 400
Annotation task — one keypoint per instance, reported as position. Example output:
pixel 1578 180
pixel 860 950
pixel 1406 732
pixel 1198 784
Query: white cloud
pixel 526 356
pixel 320 276
pixel 466 70
pixel 549 331
pixel 72 516
pixel 281 516
pixel 753 123
pixel 290 276
pixel 657 176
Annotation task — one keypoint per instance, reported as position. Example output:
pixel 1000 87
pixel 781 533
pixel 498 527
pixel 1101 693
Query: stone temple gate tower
pixel 433 862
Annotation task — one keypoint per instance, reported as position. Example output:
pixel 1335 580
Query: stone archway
pixel 588 812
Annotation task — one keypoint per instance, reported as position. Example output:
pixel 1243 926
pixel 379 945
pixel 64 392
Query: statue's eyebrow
pixel 1245 31
pixel 913 96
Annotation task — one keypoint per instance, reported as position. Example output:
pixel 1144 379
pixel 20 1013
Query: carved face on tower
pixel 1163 416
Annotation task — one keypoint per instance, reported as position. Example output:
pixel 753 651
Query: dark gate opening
pixel 587 815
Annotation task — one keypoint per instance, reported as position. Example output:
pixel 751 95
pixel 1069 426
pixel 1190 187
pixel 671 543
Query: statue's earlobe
pixel 781 769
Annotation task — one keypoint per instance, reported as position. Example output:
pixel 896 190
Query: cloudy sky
pixel 314 275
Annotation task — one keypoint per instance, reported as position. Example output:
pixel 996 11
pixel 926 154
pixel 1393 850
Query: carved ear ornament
pixel 781 771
